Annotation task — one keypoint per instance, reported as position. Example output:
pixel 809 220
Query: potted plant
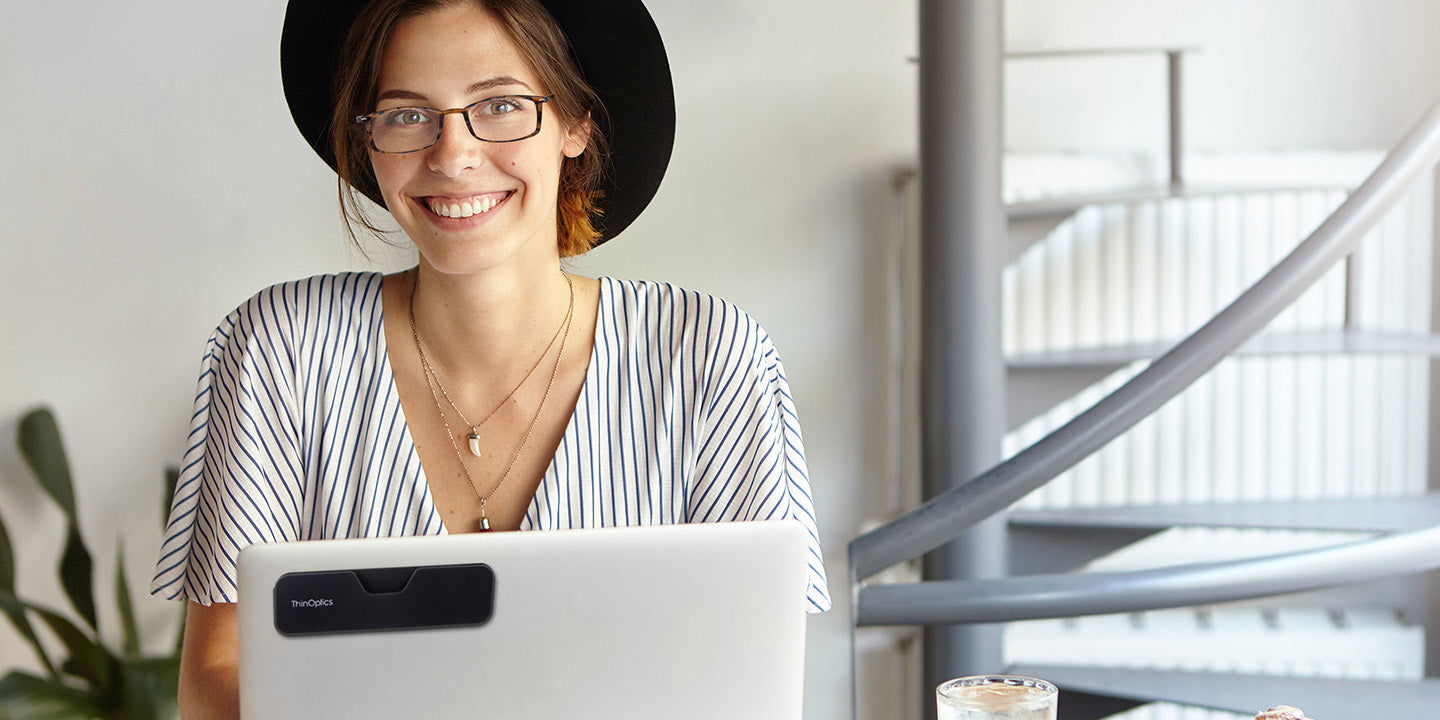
pixel 89 679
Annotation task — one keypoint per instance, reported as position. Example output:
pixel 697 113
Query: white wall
pixel 152 180
pixel 1266 74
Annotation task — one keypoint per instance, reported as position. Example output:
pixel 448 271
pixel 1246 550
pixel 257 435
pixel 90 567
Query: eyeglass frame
pixel 539 100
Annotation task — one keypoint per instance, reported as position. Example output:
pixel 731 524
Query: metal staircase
pixel 1052 551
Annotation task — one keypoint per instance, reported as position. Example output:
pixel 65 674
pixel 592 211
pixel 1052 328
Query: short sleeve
pixel 751 460
pixel 241 478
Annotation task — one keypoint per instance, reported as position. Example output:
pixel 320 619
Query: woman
pixel 487 388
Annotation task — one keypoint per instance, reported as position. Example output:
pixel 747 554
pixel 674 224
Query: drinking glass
pixel 996 697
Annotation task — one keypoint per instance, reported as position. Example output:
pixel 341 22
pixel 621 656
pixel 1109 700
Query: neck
pixel 490 325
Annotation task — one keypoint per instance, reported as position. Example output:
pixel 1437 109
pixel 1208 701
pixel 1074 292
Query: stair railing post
pixel 962 371
pixel 1175 67
pixel 1430 586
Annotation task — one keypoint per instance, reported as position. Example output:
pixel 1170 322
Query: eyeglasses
pixel 506 118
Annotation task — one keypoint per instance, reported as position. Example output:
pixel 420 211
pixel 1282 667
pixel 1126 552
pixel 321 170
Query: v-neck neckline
pixel 531 520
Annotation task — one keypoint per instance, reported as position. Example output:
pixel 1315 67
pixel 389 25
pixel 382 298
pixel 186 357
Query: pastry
pixel 1282 712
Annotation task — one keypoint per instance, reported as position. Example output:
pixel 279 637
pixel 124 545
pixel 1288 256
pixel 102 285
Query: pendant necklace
pixel 437 391
pixel 473 438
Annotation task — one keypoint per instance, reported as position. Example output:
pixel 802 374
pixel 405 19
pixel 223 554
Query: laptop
pixel 701 621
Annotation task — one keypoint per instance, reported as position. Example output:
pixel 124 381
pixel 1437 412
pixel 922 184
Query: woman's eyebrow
pixel 495 82
pixel 399 95
pixel 481 86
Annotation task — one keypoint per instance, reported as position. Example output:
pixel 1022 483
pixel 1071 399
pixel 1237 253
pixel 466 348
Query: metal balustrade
pixel 946 516
pixel 1032 597
pixel 951 513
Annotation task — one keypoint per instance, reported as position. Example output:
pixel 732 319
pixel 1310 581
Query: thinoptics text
pixel 312 603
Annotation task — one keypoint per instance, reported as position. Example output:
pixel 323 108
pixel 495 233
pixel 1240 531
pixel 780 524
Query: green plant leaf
pixel 7 559
pixel 17 615
pixel 24 696
pixel 152 686
pixel 26 630
pixel 88 659
pixel 130 645
pixel 77 576
pixel 40 445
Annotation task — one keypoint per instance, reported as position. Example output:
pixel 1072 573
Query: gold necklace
pixel 473 438
pixel 433 382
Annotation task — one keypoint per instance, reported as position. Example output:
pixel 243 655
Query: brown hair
pixel 541 43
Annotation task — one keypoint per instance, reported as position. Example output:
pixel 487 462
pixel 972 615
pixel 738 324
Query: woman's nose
pixel 456 150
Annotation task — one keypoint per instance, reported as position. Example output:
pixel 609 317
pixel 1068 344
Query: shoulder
pixel 315 292
pixel 663 330
pixel 309 301
pixel 286 317
pixel 639 306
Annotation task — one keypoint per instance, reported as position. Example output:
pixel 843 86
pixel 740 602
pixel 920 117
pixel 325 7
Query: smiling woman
pixel 486 388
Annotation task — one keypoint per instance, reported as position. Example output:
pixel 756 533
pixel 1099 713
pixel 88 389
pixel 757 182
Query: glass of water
pixel 993 697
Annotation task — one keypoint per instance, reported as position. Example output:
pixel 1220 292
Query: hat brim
pixel 615 43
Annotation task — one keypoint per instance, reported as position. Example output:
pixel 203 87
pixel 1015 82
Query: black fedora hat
pixel 615 44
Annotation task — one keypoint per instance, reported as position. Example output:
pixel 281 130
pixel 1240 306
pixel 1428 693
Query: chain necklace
pixel 437 390
pixel 474 437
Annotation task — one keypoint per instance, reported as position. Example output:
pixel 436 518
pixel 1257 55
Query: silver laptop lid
pixel 701 621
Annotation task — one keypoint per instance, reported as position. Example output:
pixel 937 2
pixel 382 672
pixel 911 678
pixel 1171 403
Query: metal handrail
pixel 1032 597
pixel 951 513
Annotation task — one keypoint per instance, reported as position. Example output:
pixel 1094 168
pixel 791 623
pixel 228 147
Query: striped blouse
pixel 685 416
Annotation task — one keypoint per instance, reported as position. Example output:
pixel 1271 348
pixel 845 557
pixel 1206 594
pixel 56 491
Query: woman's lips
pixel 465 207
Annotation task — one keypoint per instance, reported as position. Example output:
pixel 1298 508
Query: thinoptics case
pixel 702 621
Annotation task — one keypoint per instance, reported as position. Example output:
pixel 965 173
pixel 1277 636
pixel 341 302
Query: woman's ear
pixel 577 137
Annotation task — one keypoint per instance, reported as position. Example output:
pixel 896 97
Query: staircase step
pixel 1037 381
pixel 1307 342
pixel 1066 204
pixel 1323 698
pixel 1369 642
pixel 1385 514
pixel 1031 220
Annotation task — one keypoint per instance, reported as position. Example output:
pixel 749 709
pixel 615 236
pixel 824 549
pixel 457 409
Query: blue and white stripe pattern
pixel 685 416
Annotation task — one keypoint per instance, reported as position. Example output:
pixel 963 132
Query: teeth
pixel 464 208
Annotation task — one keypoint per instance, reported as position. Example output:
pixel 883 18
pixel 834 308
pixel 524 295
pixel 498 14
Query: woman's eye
pixel 405 117
pixel 499 106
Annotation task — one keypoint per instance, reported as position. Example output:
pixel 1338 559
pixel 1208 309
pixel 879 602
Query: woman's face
pixel 450 58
